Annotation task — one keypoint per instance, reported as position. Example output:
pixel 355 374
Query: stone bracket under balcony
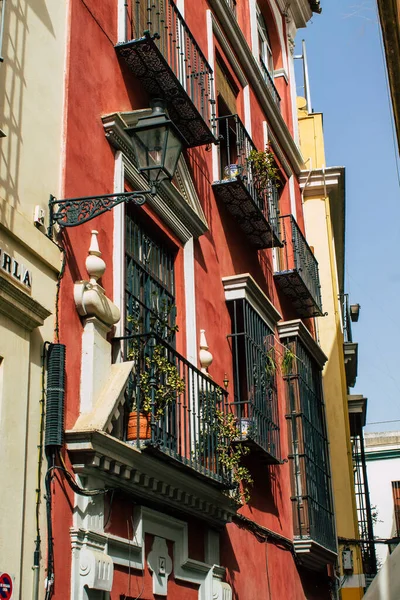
pixel 266 454
pixel 350 350
pixel 123 466
pixel 147 63
pixel 235 195
pixel 292 285
pixel 312 555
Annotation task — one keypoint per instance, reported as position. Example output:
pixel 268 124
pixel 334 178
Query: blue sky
pixel 348 85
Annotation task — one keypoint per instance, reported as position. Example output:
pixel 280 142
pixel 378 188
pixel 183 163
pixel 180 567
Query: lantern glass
pixel 157 145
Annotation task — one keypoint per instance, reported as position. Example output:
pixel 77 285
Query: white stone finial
pixel 205 355
pixel 95 265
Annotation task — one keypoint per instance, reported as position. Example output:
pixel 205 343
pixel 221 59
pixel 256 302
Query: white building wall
pixel 383 467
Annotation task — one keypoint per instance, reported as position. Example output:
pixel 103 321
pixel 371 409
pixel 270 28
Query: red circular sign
pixel 6 586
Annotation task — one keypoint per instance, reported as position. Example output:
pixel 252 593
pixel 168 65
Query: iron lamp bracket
pixel 71 212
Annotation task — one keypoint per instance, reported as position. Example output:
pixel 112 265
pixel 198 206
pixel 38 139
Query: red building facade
pixel 198 326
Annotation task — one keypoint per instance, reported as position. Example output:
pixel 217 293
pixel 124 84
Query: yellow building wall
pixel 319 230
pixel 31 117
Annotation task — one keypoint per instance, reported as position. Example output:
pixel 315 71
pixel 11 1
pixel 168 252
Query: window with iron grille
pixel 149 284
pixel 255 401
pixel 312 502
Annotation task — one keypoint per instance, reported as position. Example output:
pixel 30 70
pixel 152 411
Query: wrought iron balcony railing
pixel 297 274
pixel 256 210
pixel 164 56
pixel 270 84
pixel 173 407
pixel 256 401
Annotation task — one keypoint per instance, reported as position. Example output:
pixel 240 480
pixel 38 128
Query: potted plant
pixel 158 387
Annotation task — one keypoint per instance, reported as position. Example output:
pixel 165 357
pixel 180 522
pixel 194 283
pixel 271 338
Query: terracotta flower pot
pixel 144 432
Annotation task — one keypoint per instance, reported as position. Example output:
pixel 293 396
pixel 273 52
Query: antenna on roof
pixel 307 91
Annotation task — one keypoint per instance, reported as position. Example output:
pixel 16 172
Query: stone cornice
pixel 317 181
pixel 297 329
pixel 244 286
pixel 357 405
pixel 21 308
pixel 122 465
pixel 185 221
pixel 252 71
pixel 312 555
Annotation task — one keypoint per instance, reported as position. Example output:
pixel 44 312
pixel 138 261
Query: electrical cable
pixel 98 23
pixel 36 553
pixel 263 534
pixel 57 300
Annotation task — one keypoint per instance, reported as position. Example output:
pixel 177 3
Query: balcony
pixel 173 408
pixel 298 276
pixel 164 56
pixel 350 348
pixel 270 84
pixel 255 210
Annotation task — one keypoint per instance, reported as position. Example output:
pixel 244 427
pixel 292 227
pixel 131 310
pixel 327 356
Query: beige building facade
pixel 31 122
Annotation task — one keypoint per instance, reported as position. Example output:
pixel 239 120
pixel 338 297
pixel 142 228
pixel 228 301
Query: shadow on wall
pixel 13 90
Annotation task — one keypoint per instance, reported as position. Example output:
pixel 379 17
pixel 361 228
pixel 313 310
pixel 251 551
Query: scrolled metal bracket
pixel 71 212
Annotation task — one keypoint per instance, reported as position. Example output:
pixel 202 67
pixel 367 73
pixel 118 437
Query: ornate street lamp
pixel 157 146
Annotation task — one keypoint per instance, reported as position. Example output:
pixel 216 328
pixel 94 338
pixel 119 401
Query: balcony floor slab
pixel 242 207
pixel 293 286
pixel 148 64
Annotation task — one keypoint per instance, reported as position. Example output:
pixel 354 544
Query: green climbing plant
pixel 263 167
pixel 160 383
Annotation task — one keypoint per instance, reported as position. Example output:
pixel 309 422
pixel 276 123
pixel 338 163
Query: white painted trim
pixel 292 195
pixel 247 109
pixel 281 73
pixel 118 245
pixel 244 286
pixel 218 32
pixel 254 28
pixel 279 23
pixel 122 21
pixel 190 302
pixel 124 552
pixel 181 7
pixel 297 329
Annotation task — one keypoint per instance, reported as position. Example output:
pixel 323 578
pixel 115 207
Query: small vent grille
pixel 55 395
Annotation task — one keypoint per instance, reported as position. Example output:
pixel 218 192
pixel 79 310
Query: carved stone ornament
pixel 90 298
pixel 205 355
pixel 160 564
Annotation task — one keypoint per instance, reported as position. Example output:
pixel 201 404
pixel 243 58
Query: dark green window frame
pixel 255 401
pixel 149 283
pixel 311 478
